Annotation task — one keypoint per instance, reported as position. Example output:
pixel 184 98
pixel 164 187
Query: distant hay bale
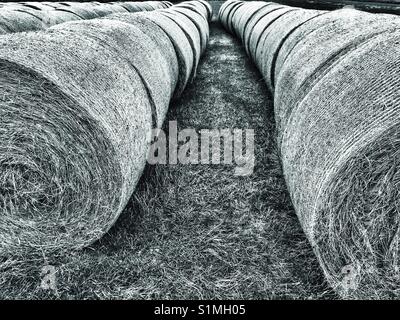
pixel 76 129
pixel 36 5
pixel 155 5
pixel 231 15
pixel 340 156
pixel 253 20
pixel 104 9
pixel 183 49
pixel 208 7
pixel 200 23
pixel 225 10
pixel 251 9
pixel 276 35
pixel 191 33
pixel 260 31
pixel 131 6
pixel 81 11
pixel 17 21
pixel 50 18
pixel 195 6
pixel 167 4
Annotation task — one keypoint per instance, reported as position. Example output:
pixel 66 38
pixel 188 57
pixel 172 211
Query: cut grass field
pixel 196 231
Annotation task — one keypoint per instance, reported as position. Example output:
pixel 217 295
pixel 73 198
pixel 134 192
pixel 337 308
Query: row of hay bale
pixel 78 104
pixel 32 16
pixel 334 78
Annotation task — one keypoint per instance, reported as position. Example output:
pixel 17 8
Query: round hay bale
pixel 253 20
pixel 276 35
pixel 50 18
pixel 225 10
pixel 313 57
pixel 194 6
pixel 236 16
pixel 251 10
pixel 231 15
pixel 200 22
pixel 16 21
pixel 145 6
pixel 81 11
pixel 191 33
pixel 155 5
pixel 77 124
pixel 167 4
pixel 159 70
pixel 183 49
pixel 341 160
pixel 260 32
pixel 36 6
pixel 53 5
pixel 131 6
pixel 105 9
pixel 208 7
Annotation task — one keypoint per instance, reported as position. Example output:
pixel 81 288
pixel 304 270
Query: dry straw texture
pixel 78 104
pixel 334 77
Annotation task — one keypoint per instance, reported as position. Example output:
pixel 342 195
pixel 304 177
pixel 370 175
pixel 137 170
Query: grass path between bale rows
pixel 196 231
